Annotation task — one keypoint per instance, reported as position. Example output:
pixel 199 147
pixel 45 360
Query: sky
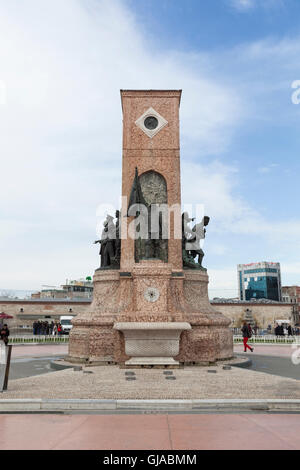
pixel 62 65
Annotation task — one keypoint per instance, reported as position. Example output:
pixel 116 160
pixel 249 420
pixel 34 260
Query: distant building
pixel 264 313
pixel 25 312
pixel 291 295
pixel 79 289
pixel 259 281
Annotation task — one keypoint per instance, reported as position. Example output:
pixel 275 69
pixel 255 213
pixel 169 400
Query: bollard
pixel 5 355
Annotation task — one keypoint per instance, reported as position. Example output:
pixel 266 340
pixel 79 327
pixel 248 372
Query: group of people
pixel 282 330
pixel 47 329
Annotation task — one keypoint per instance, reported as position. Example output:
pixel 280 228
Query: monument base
pixel 151 293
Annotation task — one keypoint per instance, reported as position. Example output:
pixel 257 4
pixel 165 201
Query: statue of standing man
pixel 109 245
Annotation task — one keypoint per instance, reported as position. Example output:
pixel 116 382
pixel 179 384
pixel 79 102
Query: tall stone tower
pixel 151 143
pixel 150 284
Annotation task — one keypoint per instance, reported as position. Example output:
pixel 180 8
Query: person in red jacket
pixel 246 335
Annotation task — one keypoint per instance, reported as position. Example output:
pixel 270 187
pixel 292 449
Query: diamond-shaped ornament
pixel 151 122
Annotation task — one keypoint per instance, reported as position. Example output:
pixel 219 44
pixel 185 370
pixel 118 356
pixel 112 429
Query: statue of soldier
pixel 187 233
pixel 108 243
pixel 117 259
pixel 199 231
pixel 191 242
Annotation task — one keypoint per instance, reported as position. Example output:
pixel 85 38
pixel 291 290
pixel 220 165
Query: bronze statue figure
pixel 148 245
pixel 110 244
pixel 191 248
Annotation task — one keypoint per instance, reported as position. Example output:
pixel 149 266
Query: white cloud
pixel 63 64
pixel 267 169
pixel 247 5
pixel 242 5
pixel 223 282
pixel 214 186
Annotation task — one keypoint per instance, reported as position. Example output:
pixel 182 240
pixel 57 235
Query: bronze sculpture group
pixel 152 247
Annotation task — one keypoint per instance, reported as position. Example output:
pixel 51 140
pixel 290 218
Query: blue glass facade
pixel 259 281
pixel 241 285
pixel 262 288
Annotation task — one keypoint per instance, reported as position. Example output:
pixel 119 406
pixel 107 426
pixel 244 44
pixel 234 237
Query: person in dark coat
pixel 281 330
pixel 246 335
pixel 4 334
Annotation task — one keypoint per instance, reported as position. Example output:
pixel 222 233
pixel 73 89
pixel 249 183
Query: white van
pixel 66 324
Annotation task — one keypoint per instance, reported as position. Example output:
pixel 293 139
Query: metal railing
pixel 41 339
pixel 38 339
pixel 269 339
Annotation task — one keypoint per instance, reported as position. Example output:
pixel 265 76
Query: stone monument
pixel 150 303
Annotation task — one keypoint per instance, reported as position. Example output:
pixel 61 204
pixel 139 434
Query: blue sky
pixel 204 25
pixel 63 64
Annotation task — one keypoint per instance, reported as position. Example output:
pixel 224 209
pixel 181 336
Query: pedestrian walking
pixel 246 335
pixel 4 334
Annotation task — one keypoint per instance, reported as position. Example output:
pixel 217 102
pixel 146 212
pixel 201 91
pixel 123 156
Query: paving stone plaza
pixel 254 407
pixel 189 383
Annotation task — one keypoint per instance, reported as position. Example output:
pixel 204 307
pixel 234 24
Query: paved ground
pixel 281 366
pixel 151 432
pixel 39 350
pixel 110 382
pixel 267 349
pixel 159 432
pixel 29 367
pixel 29 361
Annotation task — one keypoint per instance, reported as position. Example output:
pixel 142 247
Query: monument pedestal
pixel 151 294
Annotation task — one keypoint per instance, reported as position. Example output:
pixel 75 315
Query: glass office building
pixel 259 281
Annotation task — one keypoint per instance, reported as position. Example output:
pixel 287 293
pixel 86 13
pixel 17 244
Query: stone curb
pixel 245 363
pixel 62 365
pixel 43 405
pixel 56 365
